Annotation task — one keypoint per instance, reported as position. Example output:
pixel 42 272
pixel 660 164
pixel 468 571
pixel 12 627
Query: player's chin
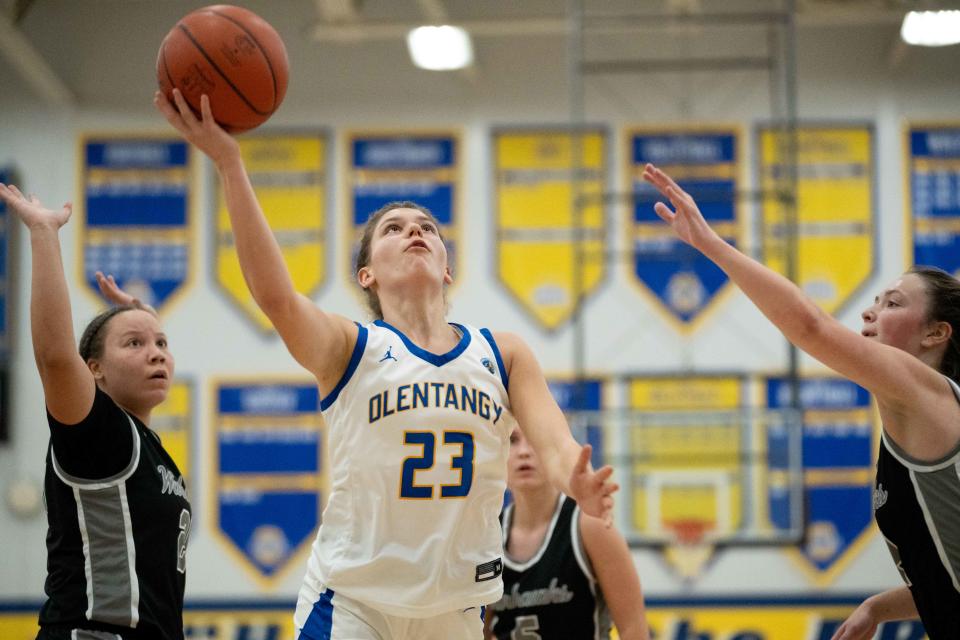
pixel 156 393
pixel 526 480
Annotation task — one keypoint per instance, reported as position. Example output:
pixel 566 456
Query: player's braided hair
pixel 944 306
pixel 94 335
pixel 363 254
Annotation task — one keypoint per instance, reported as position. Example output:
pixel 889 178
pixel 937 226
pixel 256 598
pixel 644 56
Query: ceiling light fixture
pixel 931 28
pixel 442 48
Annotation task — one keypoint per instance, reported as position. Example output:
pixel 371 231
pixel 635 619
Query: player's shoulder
pixel 594 531
pixel 508 342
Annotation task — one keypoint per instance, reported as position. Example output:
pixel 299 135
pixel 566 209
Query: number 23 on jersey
pixel 461 461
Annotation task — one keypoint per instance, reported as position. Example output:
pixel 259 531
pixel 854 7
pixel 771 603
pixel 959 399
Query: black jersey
pixel 118 523
pixel 917 506
pixel 554 594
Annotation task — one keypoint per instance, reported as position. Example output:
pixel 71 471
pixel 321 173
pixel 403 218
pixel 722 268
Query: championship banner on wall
pixel 706 164
pixel 422 167
pixel 289 176
pixel 688 476
pixel 173 421
pixel 536 226
pixel 136 222
pixel 836 215
pixel 933 158
pixel 585 396
pixel 270 478
pixel 838 446
pixel 6 224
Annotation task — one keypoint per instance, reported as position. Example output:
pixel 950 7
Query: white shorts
pixel 336 617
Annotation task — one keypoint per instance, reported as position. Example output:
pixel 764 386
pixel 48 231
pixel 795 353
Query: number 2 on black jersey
pixel 411 464
pixel 182 541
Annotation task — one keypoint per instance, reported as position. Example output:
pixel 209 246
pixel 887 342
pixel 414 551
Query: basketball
pixel 232 55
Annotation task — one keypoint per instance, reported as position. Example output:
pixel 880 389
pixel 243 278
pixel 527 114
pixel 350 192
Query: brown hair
pixel 943 291
pixel 94 335
pixel 363 254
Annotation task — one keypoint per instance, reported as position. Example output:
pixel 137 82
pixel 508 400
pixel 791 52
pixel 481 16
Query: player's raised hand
pixel 593 490
pixel 32 211
pixel 203 132
pixel 114 294
pixel 686 220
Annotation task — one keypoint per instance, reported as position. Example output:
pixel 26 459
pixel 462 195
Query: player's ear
pixel 447 275
pixel 937 333
pixel 365 277
pixel 94 365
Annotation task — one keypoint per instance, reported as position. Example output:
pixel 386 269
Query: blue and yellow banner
pixel 269 475
pixel 137 215
pixel 768 618
pixel 422 167
pixel 542 209
pixel 933 161
pixel 582 401
pixel 688 477
pixel 794 617
pixel 706 164
pixel 838 450
pixel 173 421
pixel 289 176
pixel 835 212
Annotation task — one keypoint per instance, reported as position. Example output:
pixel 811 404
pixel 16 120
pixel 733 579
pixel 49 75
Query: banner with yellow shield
pixel 835 226
pixel 550 225
pixel 289 176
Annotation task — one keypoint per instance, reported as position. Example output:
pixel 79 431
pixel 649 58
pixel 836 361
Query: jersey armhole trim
pixel 496 354
pixel 579 551
pixel 92 485
pixel 358 349
pixel 951 459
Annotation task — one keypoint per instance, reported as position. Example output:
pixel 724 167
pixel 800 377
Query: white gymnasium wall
pixel 105 52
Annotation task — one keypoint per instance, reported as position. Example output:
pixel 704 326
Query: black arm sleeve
pixel 99 446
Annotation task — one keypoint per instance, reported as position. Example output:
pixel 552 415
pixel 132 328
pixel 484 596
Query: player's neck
pixel 423 320
pixel 534 507
pixel 143 415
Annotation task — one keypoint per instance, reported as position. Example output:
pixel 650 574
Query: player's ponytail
pixel 363 253
pixel 944 297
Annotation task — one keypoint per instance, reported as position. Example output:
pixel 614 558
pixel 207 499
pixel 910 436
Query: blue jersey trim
pixel 319 623
pixel 423 354
pixel 496 353
pixel 351 367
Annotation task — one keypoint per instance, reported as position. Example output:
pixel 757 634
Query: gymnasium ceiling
pixel 92 53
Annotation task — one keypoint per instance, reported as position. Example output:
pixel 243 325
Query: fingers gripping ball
pixel 232 55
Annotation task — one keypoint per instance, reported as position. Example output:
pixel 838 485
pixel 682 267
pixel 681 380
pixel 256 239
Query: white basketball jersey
pixel 418 444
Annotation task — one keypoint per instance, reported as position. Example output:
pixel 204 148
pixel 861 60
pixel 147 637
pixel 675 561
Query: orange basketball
pixel 232 55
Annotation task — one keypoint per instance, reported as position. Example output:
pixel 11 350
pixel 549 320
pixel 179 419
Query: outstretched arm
pixel 319 341
pixel 614 569
pixel 566 462
pixel 894 604
pixel 893 375
pixel 68 385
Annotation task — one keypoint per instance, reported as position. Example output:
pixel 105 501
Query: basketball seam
pixel 273 75
pixel 216 68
